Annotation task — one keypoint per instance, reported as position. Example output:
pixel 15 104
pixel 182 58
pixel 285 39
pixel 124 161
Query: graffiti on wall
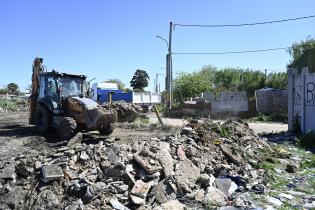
pixel 310 93
pixel 297 94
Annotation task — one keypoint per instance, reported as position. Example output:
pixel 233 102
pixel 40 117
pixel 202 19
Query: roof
pixel 58 74
pixel 307 59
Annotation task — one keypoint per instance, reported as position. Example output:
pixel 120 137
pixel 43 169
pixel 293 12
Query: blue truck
pixel 101 91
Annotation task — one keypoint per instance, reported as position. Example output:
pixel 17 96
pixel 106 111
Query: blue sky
pixel 113 38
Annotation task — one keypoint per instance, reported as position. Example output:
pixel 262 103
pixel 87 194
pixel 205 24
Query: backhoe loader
pixel 59 101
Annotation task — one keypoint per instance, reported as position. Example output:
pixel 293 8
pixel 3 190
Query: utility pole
pixel 265 78
pixel 170 70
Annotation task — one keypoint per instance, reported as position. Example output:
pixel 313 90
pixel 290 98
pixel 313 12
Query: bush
pixel 308 140
pixel 8 105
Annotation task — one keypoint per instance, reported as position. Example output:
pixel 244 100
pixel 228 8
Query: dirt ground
pixel 18 137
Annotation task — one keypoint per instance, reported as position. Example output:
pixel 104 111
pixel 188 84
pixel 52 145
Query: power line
pixel 245 24
pixel 240 52
pixel 230 52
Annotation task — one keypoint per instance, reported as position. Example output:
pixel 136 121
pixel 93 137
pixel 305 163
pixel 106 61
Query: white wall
pixel 301 87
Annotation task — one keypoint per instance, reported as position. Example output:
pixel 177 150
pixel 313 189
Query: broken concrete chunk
pixel 172 205
pixel 146 165
pixel 215 196
pixel 84 156
pixel 186 175
pixel 166 161
pixel 164 191
pixel 141 189
pixel 291 168
pixel 51 173
pixel 77 139
pixel 232 157
pixel 137 200
pixel 8 172
pixel 37 165
pixel 117 205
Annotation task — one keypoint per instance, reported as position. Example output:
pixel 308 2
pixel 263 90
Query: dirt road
pixel 258 127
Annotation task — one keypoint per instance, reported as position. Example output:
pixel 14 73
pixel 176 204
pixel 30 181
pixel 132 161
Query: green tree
pixel 298 48
pixel 13 88
pixel 120 84
pixel 277 80
pixel 140 80
pixel 3 91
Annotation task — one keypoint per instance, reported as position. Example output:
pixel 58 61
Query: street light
pixel 159 37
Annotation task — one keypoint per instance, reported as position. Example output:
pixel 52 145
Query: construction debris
pixel 126 112
pixel 204 163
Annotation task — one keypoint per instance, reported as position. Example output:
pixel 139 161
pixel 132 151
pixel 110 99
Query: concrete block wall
pixel 233 102
pixel 271 101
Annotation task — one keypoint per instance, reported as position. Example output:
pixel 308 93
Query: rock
pixel 309 205
pixel 8 172
pixel 229 208
pixel 286 196
pixel 77 139
pixel 117 205
pixel 274 201
pixel 84 156
pixel 199 195
pixel 47 199
pixel 15 197
pixel 172 205
pixel 204 180
pixel 37 165
pixel 114 171
pixel 258 188
pixel 291 168
pixel 129 179
pixel 146 165
pixel 164 191
pixel 186 175
pixel 215 197
pixel 227 186
pixel 22 170
pixel 52 172
pixel 122 188
pixel 166 161
pixel 75 205
pixel 180 152
pixel 137 200
pixel 141 189
pixel 232 157
pixel 186 130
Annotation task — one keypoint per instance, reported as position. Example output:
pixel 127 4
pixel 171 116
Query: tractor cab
pixel 55 88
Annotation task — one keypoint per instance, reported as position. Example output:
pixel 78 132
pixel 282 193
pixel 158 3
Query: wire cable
pixel 234 52
pixel 229 52
pixel 245 24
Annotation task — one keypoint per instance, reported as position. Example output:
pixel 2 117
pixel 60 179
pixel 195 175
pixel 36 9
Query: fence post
pixel 290 73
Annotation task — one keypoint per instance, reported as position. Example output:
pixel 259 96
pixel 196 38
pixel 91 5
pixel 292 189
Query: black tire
pixel 106 129
pixel 67 128
pixel 42 119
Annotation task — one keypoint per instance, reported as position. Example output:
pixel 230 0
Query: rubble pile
pixel 199 166
pixel 126 112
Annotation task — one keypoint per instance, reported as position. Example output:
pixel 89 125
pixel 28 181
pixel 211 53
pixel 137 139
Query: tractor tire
pixel 42 119
pixel 67 128
pixel 106 129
